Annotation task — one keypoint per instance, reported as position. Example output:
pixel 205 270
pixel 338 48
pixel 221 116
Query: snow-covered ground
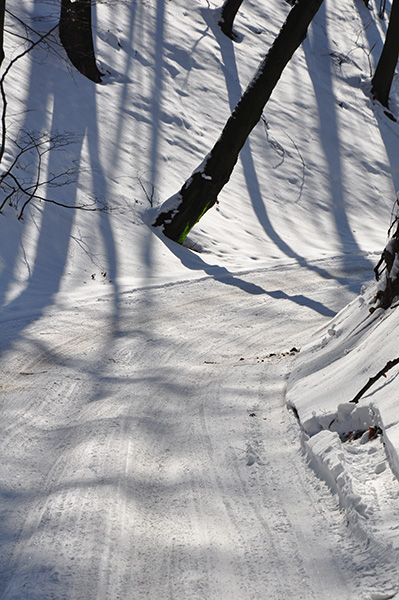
pixel 146 446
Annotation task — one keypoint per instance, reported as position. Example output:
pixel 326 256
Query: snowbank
pixel 354 447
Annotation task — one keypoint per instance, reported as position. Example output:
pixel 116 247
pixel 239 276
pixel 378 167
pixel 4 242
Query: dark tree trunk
pixel 76 37
pixel 388 269
pixel 2 13
pixel 229 11
pixel 383 76
pixel 201 190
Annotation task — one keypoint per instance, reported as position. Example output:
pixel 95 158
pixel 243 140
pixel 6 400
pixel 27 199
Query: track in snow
pixel 153 456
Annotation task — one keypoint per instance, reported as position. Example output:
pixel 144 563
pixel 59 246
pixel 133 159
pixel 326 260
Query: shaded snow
pixel 146 447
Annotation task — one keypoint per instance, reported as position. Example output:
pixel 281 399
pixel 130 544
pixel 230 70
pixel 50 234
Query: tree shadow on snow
pixel 193 261
pixel 329 134
pixel 234 94
pixel 388 129
pixel 72 106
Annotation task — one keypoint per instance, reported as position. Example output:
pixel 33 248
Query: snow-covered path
pixel 147 451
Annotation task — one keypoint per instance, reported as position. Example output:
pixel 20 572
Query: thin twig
pixel 2 89
pixel 93 207
pixel 149 198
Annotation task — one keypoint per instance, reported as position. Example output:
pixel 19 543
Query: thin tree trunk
pixel 388 269
pixel 383 76
pixel 76 37
pixel 2 14
pixel 228 14
pixel 201 190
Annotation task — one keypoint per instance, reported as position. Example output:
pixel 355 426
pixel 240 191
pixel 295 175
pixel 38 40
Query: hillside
pixel 147 449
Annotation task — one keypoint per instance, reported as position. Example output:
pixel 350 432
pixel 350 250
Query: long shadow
pixel 329 135
pixel 388 130
pixel 234 93
pixel 157 88
pixel 156 113
pixel 123 81
pixel 73 106
pixel 56 104
pixel 44 94
pixel 193 261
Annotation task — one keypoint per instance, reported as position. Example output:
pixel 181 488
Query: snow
pixel 146 446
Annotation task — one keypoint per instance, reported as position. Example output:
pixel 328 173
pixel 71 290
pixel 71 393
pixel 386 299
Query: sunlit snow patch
pixel 353 447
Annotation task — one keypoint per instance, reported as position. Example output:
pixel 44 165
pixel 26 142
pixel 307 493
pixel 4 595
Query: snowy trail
pixel 146 450
pixel 155 458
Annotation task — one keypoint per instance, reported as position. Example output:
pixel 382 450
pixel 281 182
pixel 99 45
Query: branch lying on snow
pixel 372 380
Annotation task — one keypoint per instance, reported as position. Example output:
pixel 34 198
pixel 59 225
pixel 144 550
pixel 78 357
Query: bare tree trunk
pixel 76 37
pixel 229 11
pixel 200 192
pixel 383 76
pixel 387 272
pixel 2 13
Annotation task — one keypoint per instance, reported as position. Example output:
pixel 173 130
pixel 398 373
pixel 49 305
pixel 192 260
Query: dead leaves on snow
pixel 262 359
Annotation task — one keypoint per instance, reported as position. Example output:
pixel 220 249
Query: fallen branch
pixel 372 380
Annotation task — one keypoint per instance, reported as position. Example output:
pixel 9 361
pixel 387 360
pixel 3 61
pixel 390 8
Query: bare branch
pixel 92 207
pixel 22 180
pixel 390 364
pixel 2 88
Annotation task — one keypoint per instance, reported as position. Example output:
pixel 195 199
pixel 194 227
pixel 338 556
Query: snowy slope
pixel 146 449
pixel 354 446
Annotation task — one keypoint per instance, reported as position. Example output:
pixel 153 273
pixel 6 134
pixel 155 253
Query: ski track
pixel 124 476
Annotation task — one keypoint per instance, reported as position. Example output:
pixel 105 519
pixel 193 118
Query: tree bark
pixel 228 14
pixel 200 191
pixel 383 76
pixel 388 268
pixel 2 14
pixel 76 37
